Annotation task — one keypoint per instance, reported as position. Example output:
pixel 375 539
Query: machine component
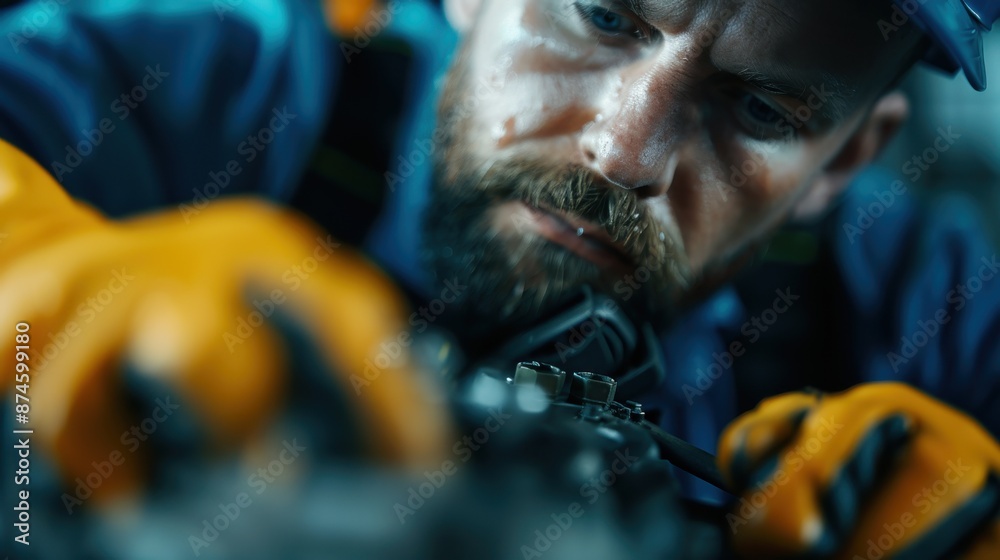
pixel 527 478
pixel 592 388
pixel 591 397
pixel 549 379
pixel 588 332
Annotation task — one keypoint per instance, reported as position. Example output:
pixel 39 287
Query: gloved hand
pixel 879 471
pixel 191 306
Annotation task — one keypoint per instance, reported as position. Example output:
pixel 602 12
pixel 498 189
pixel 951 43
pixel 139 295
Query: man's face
pixel 642 147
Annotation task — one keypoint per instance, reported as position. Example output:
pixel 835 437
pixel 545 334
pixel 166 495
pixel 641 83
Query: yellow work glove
pixel 879 471
pixel 192 307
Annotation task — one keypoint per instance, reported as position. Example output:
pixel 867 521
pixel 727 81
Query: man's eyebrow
pixel 651 10
pixel 828 96
pixel 832 94
pixel 638 7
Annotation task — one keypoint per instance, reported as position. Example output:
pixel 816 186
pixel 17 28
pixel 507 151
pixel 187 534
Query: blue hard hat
pixel 956 28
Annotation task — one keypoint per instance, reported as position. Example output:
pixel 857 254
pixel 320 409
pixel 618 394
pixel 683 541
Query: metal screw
pixel 636 413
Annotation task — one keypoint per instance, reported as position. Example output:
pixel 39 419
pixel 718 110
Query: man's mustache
pixel 577 191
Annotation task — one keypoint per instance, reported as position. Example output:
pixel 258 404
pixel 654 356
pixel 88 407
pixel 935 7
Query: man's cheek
pixel 746 219
pixel 724 228
pixel 773 173
pixel 537 106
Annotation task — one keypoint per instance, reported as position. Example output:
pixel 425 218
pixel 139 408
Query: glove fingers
pixel 797 510
pixel 227 365
pixel 931 509
pixel 749 447
pixel 355 316
pixel 324 407
pixel 359 323
pixel 873 459
pixel 33 294
pixel 78 413
pixel 904 470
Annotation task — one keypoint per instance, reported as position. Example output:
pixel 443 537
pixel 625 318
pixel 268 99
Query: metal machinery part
pixel 547 465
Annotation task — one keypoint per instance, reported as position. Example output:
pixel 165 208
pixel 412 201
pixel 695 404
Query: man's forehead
pixel 785 15
pixel 805 33
pixel 827 33
pixel 787 46
pixel 794 48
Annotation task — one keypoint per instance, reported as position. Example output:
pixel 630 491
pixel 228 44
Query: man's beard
pixel 513 276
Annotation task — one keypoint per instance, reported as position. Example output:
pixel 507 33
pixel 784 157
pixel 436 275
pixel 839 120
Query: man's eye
pixel 607 22
pixel 760 118
pixel 759 110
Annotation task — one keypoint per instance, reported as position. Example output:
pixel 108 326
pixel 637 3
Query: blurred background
pixel 941 101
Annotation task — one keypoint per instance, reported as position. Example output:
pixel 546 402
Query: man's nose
pixel 635 142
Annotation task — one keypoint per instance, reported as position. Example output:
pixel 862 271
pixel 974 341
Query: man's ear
pixel 461 13
pixel 882 123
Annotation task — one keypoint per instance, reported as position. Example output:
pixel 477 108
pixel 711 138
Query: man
pixel 579 143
